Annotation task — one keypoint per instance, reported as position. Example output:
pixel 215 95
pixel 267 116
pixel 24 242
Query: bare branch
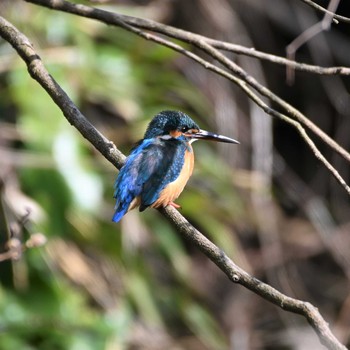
pixel 201 42
pixel 118 19
pixel 37 70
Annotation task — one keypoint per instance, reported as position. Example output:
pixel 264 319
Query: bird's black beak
pixel 207 135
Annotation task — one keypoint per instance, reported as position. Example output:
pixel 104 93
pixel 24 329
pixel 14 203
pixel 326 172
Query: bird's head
pixel 174 124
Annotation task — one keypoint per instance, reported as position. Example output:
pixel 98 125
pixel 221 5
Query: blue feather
pixel 119 213
pixel 152 165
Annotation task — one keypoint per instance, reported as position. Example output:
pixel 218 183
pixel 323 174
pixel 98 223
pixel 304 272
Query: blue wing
pixel 149 168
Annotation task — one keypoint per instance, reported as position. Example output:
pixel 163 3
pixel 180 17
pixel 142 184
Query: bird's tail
pixel 120 211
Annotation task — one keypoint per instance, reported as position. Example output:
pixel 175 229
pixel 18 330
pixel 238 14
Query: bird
pixel 159 166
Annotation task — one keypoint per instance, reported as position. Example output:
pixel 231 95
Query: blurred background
pixel 267 202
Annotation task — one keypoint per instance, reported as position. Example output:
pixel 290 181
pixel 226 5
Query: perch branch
pixel 238 275
pixel 38 72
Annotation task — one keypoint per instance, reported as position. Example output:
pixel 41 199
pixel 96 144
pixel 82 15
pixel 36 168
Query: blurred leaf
pixel 141 294
pixel 204 326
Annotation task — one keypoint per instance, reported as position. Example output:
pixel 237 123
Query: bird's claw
pixel 176 206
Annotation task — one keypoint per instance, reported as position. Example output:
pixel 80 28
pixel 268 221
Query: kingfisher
pixel 159 166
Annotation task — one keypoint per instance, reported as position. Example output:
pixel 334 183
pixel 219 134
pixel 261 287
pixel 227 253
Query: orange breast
pixel 174 189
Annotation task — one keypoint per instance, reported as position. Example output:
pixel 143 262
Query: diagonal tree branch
pixel 240 77
pixel 238 275
pixel 38 72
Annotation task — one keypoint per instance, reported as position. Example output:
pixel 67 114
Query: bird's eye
pixel 184 129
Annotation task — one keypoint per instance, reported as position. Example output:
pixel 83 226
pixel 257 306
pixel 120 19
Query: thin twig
pixel 308 34
pixel 37 70
pixel 322 9
pixel 302 133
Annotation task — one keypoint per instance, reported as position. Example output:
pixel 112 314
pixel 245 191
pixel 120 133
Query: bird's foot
pixel 176 206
